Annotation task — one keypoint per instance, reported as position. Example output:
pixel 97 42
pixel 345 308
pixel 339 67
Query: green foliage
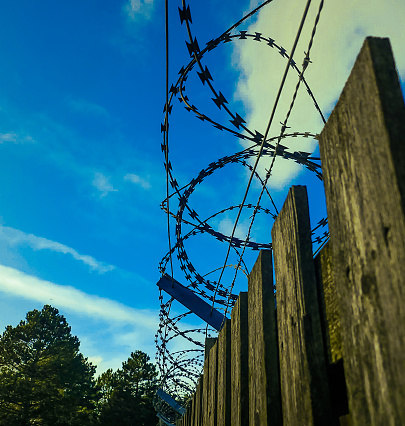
pixel 127 394
pixel 44 379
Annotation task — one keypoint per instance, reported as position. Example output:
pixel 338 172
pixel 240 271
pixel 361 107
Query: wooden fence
pixel 333 351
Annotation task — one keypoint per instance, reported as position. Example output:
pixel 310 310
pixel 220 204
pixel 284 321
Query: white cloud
pixel 137 180
pixel 340 34
pixel 112 329
pixel 19 284
pixel 16 237
pixel 226 225
pixel 15 138
pixel 138 8
pixel 103 184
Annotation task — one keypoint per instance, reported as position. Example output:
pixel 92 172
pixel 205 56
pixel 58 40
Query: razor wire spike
pixel 205 75
pixel 220 101
pixel 174 90
pixel 258 137
pixel 167 108
pixel 193 47
pixel 237 121
pixel 185 14
pixel 258 37
pixel 227 38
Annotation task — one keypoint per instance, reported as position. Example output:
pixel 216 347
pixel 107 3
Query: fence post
pixel 362 149
pixel 264 383
pixel 239 361
pixel 224 375
pixel 303 376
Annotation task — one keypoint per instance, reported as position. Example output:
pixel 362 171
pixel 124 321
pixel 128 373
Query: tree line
pixel 45 380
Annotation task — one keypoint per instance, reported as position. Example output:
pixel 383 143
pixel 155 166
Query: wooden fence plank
pixel 303 376
pixel 204 390
pixel 209 343
pixel 331 329
pixel 192 411
pixel 363 157
pixel 264 383
pixel 198 402
pixel 212 386
pixel 239 361
pixel 224 375
pixel 329 304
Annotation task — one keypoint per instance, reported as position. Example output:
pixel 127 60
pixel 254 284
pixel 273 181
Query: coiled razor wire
pixel 180 369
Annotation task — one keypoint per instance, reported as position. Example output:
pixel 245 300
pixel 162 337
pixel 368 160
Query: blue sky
pixel 82 89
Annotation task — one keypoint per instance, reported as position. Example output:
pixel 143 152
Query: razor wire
pixel 180 368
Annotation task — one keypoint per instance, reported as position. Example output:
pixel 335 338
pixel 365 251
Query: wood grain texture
pixel 209 343
pixel 362 149
pixel 329 303
pixel 224 375
pixel 212 386
pixel 204 390
pixel 239 361
pixel 303 377
pixel 264 383
pixel 198 403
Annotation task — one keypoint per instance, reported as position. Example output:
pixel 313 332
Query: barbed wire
pixel 180 369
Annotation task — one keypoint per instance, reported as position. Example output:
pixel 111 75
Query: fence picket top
pixel 212 386
pixel 224 375
pixel 264 383
pixel 303 377
pixel 362 149
pixel 239 361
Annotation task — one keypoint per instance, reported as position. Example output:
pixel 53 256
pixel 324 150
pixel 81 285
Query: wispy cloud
pixel 16 237
pixel 137 180
pixel 86 107
pixel 17 283
pixel 13 137
pixel 138 8
pixel 103 184
pixel 340 34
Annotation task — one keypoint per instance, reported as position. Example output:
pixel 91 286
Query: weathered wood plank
pixel 264 382
pixel 303 376
pixel 329 303
pixel 363 157
pixel 212 386
pixel 198 403
pixel 205 390
pixel 190 412
pixel 224 375
pixel 209 344
pixel 193 404
pixel 239 361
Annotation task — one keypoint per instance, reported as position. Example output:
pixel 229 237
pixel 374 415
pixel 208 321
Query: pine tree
pixel 127 394
pixel 44 379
